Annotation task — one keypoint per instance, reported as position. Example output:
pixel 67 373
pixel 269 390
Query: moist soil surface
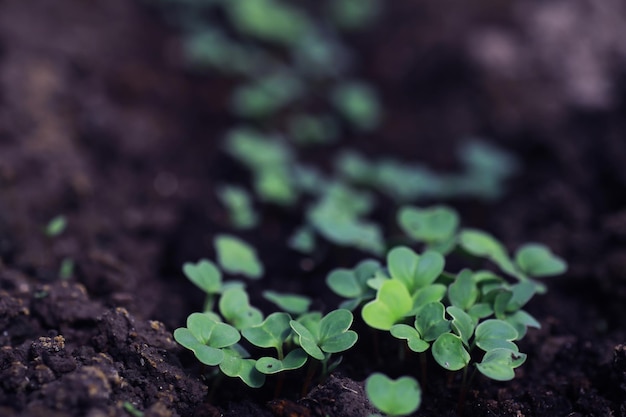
pixel 101 121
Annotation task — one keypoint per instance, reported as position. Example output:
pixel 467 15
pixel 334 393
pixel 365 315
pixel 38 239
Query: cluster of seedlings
pixel 411 296
pixel 295 88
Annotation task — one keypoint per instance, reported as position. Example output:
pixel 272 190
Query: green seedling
pixel 206 276
pixel 274 332
pixel 239 204
pixel 66 270
pixel 436 226
pixel 500 364
pixel 392 304
pixel 270 161
pixel 306 129
pixel 206 338
pixel 132 410
pixel 269 20
pixel 358 104
pixel 321 336
pixel 234 305
pixel 56 226
pixel 237 257
pixel 237 364
pixel 481 244
pixel 302 240
pixel 494 334
pixel 266 96
pixel 399 397
pixel 353 283
pixel 354 14
pixel 291 303
pixel 320 55
pixel 416 272
pixel 537 260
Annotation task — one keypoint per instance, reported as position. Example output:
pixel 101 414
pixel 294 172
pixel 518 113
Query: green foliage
pixel 307 129
pixel 291 303
pixel 267 95
pixel 56 226
pixel 500 364
pixel 393 397
pixel 358 103
pixel 234 305
pixel 239 204
pixel 320 336
pixel 206 338
pixel 354 14
pixel 302 240
pixel 392 304
pixel 237 257
pixel 538 261
pixel 353 283
pixel 436 226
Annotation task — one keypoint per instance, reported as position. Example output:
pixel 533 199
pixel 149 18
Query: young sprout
pixel 291 303
pixel 56 226
pixel 416 272
pixel 239 204
pixel 237 257
pixel 537 260
pixel 353 283
pixel 234 305
pixel 500 364
pixel 274 332
pixel 206 276
pixel 392 304
pixel 206 338
pixel 322 336
pixel 436 226
pixel 358 104
pixel 237 364
pixel 302 240
pixel 399 397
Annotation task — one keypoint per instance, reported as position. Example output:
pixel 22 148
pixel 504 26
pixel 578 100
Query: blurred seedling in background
pixel 238 202
pixel 358 103
pixel 55 228
pixel 237 257
pixel 399 397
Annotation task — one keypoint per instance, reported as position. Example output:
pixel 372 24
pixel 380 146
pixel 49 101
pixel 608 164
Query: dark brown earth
pixel 100 121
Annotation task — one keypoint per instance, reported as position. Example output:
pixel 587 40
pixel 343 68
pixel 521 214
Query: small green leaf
pixel 307 340
pixel 480 311
pixel 358 103
pixel 237 257
pixel 463 292
pixel 431 321
pixel 413 270
pixel 206 354
pixel 302 240
pixel 235 366
pixel 291 303
pixel 394 398
pixel 428 294
pixel 484 245
pixel 391 305
pixel 499 364
pixel 521 320
pixel 449 352
pixel 205 275
pixel 56 226
pixel 538 261
pixel 334 334
pixel 462 323
pixel 412 337
pixel 235 306
pixel 294 360
pixel 522 292
pixel 492 334
pixel 433 224
pixel 272 332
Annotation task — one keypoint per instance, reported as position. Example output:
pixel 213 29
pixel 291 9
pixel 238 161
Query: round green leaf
pixel 206 354
pixel 391 305
pixel 272 332
pixel 294 360
pixel 402 264
pixel 433 224
pixel 235 307
pixel 307 340
pixel 499 364
pixel 449 352
pixel 484 245
pixel 291 303
pixel 204 275
pixel 462 323
pixel 244 369
pixel 343 282
pixel 412 337
pixel 395 398
pixel 237 257
pixel 429 267
pixel 463 292
pixel 340 342
pixel 538 261
pixel 431 322
pixel 492 334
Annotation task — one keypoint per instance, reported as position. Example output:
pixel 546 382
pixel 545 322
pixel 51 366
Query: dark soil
pixel 100 121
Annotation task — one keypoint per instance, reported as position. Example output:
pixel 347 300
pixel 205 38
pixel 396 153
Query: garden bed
pixel 102 122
